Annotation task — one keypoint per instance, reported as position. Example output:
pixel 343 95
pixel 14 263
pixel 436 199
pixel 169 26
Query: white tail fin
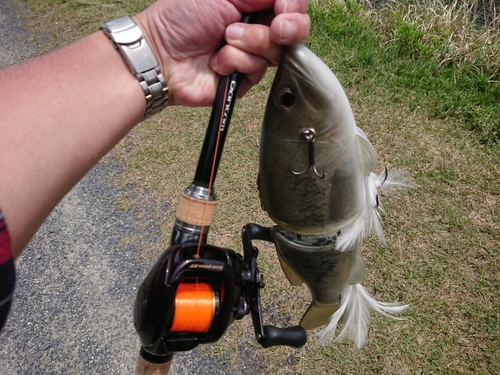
pixel 389 183
pixel 354 310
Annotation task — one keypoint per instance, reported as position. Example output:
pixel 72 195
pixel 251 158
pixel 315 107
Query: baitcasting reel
pixel 195 291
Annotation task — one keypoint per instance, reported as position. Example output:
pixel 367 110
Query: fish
pixel 317 182
pixel 306 97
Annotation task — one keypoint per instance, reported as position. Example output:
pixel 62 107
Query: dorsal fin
pixel 367 154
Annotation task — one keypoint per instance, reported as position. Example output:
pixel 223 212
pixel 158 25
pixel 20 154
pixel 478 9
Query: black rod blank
pixel 218 124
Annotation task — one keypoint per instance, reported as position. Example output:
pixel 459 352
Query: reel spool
pixel 190 297
pixel 194 306
pixel 193 294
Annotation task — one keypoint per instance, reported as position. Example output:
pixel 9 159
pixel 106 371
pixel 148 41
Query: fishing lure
pixel 317 183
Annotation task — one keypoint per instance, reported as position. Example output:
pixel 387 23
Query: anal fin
pixel 292 277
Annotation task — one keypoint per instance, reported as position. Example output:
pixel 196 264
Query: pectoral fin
pixel 316 316
pixel 262 204
pixel 292 277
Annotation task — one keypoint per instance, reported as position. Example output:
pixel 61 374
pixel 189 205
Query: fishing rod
pixel 195 290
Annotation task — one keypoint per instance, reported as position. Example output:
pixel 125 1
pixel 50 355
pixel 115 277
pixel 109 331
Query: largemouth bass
pixel 317 183
pixel 313 157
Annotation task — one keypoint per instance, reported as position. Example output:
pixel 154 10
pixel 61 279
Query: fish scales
pixel 319 205
pixel 317 184
pixel 319 266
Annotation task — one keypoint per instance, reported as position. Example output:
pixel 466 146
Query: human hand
pixel 187 37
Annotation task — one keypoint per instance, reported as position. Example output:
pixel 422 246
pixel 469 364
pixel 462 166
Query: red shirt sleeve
pixel 5 250
pixel 7 272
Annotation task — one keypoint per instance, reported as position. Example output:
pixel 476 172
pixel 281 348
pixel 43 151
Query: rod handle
pixel 158 365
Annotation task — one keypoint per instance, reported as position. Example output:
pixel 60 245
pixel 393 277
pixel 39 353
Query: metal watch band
pixel 129 39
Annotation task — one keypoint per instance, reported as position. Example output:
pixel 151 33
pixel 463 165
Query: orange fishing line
pixel 212 172
pixel 194 307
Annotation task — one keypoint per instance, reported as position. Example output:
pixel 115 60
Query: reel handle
pixel 266 335
pixel 291 336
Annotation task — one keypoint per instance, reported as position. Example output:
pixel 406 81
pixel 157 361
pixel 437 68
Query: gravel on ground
pixel 73 305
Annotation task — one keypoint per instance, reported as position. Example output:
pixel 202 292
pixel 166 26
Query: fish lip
pixel 309 69
pixel 298 62
pixel 303 60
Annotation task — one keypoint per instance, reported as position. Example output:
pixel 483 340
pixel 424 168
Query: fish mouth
pixel 309 68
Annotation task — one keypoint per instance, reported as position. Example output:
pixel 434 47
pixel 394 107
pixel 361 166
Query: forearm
pixel 59 130
pixel 60 113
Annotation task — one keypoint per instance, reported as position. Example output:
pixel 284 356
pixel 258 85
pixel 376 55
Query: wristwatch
pixel 129 39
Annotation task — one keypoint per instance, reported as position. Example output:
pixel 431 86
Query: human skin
pixel 63 111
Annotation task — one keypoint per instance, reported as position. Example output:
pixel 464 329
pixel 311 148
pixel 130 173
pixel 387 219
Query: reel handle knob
pixel 292 336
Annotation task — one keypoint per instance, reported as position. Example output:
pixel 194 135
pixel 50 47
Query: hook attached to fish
pixel 310 136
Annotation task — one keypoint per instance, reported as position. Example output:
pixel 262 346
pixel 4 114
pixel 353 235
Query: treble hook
pixel 310 135
pixel 386 172
pixel 382 183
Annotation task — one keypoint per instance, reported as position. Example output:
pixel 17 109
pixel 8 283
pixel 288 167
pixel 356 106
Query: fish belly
pixel 325 271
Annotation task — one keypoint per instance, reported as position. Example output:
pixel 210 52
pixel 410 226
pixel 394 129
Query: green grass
pixel 423 83
pixel 450 70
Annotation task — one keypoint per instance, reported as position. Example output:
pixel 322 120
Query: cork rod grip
pixel 195 211
pixel 148 368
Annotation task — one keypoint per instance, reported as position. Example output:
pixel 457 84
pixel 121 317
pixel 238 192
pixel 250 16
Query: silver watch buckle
pixel 128 36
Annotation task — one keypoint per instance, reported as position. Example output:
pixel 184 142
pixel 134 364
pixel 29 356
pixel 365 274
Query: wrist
pixel 155 31
pixel 130 41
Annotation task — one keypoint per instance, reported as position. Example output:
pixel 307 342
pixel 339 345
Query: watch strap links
pixel 155 89
pixel 129 39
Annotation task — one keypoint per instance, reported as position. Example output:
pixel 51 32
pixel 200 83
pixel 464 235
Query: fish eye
pixel 286 99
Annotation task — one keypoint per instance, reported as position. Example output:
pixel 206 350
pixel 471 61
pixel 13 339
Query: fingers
pixel 291 25
pixel 285 29
pixel 290 28
pixel 291 6
pixel 254 39
pixel 280 6
pixel 252 47
pixel 230 59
